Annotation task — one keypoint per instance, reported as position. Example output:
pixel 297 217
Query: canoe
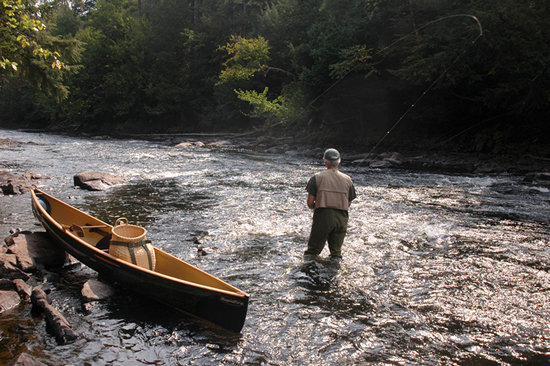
pixel 172 282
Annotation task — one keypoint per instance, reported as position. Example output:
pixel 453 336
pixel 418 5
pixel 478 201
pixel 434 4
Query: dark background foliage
pixel 356 68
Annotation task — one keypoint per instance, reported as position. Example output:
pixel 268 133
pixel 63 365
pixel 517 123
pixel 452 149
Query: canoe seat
pixel 104 242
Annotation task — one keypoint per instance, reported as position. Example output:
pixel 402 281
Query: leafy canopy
pixel 27 50
pixel 247 57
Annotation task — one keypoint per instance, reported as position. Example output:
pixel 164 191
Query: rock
pixel 94 290
pixel 536 177
pixel 276 150
pixel 9 269
pixel 34 249
pixel 34 176
pixel 190 144
pixel 10 143
pixel 12 184
pixel 50 277
pixel 8 258
pixel 381 164
pixel 6 284
pixel 24 359
pixel 22 289
pixel 56 323
pixel 220 143
pixel 8 300
pixel 96 181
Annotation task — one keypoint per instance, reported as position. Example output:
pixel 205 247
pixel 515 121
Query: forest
pixel 416 74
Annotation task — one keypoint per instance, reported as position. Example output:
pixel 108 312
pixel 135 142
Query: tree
pixel 28 51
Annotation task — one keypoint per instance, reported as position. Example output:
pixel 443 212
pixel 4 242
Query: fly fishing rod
pixel 419 98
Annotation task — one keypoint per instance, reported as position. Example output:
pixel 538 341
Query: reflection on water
pixel 437 269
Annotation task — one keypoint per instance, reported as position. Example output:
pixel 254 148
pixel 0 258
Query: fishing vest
pixel 332 189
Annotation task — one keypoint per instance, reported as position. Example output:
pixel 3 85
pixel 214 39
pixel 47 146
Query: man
pixel 330 193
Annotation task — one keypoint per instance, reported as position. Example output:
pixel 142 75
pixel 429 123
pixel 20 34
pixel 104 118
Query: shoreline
pixel 418 160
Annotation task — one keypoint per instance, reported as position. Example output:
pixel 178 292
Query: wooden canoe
pixel 172 282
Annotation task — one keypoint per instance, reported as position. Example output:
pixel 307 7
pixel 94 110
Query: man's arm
pixel 311 201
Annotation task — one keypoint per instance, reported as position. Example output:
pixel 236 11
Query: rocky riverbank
pixel 450 162
pixel 28 264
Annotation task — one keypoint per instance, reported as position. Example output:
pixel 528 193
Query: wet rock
pixel 276 150
pixel 537 177
pixel 25 359
pixel 9 269
pixel 56 323
pixel 220 143
pixel 6 284
pixel 35 176
pixel 94 290
pixel 8 300
pixel 11 184
pixel 23 289
pixel 96 181
pixel 50 277
pixel 10 143
pixel 381 164
pixel 35 249
pixel 204 250
pixel 190 144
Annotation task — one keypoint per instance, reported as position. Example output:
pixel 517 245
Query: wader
pixel 329 225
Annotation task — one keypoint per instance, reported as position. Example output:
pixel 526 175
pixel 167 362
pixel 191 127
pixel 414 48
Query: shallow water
pixel 438 269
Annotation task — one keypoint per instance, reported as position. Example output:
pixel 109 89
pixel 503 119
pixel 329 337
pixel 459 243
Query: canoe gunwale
pixel 89 255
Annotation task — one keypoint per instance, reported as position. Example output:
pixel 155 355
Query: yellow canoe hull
pixel 173 281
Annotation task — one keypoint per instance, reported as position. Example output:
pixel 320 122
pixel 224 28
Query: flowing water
pixel 438 269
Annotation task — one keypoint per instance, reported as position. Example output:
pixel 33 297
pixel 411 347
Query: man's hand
pixel 311 201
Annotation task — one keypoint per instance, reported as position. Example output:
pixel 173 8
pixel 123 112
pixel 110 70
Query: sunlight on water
pixel 438 269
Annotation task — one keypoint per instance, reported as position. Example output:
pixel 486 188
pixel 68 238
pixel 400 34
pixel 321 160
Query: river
pixel 438 269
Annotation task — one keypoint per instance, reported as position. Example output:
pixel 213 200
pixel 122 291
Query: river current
pixel 438 269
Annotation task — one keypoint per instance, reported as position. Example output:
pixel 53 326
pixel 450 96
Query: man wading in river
pixel 330 193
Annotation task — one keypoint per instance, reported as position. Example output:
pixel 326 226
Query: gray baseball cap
pixel 331 154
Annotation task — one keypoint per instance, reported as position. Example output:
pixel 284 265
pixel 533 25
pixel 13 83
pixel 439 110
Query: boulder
pixel 9 268
pixel 23 289
pixel 25 359
pixel 6 284
pixel 35 249
pixel 8 300
pixel 12 184
pixel 56 323
pixel 96 181
pixel 94 290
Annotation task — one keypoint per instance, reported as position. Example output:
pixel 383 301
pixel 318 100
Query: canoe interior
pixel 166 264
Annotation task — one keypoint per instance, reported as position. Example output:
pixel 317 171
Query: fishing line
pixel 384 49
pixel 421 96
pixel 429 87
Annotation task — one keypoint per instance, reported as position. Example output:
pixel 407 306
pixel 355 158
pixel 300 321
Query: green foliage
pixel 350 68
pixel 272 111
pixel 355 58
pixel 28 51
pixel 262 106
pixel 247 57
